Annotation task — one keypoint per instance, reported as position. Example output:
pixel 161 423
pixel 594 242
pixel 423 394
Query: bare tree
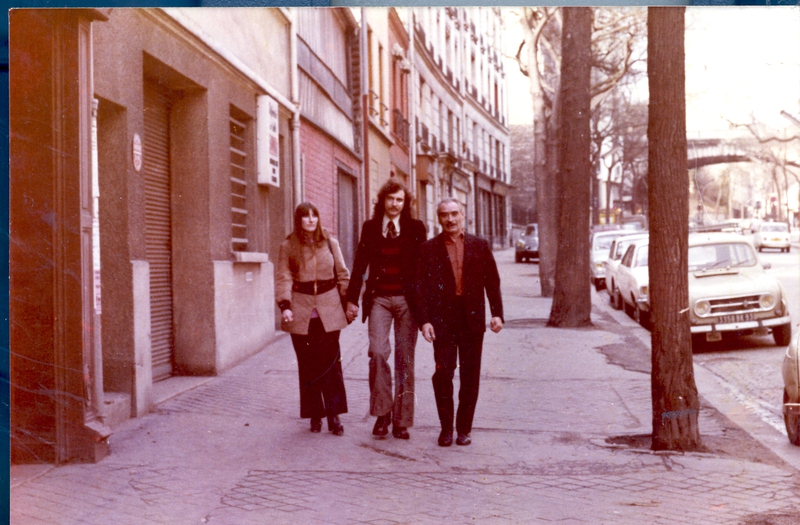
pixel 539 63
pixel 614 37
pixel 619 139
pixel 571 299
pixel 771 150
pixel 674 394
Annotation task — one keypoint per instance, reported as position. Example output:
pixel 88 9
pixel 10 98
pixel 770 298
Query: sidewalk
pixel 233 451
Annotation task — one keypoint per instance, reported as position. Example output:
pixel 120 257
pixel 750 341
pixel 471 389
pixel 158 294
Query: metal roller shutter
pixel 156 157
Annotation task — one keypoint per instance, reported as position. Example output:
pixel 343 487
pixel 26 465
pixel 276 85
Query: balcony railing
pixel 400 127
pixel 423 133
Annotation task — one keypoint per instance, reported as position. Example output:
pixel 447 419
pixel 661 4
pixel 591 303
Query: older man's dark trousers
pixel 464 347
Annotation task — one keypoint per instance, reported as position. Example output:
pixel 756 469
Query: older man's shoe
pixel 381 427
pixel 445 438
pixel 463 439
pixel 316 424
pixel 400 432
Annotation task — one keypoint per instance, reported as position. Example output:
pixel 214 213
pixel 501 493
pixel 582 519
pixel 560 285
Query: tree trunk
pixel 572 304
pixel 548 212
pixel 674 394
pixel 544 186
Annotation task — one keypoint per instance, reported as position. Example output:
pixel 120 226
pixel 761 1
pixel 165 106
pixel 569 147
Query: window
pixel 238 163
pixel 641 256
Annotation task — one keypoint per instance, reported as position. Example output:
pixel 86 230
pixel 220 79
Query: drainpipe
pixel 297 175
pixel 365 71
pixel 412 108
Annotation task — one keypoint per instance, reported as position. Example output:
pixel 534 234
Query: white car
pixel 730 291
pixel 615 253
pixel 791 391
pixel 600 243
pixel 772 235
pixel 632 282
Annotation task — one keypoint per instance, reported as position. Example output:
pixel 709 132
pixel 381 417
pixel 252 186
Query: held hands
pixel 427 332
pixel 287 316
pixel 351 312
pixel 496 324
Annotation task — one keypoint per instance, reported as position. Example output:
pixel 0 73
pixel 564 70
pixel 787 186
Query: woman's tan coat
pixel 316 264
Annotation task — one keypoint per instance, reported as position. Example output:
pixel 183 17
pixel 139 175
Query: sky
pixel 740 61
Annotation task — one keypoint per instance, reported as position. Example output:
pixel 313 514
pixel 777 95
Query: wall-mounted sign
pixel 267 139
pixel 137 152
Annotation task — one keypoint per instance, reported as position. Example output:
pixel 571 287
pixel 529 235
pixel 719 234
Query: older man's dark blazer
pixel 436 286
pixel 412 234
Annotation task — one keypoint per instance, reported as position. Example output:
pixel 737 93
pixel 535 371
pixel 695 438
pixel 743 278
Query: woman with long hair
pixel 311 280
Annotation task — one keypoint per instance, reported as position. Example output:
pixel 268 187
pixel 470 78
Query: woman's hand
pixel 352 311
pixel 287 316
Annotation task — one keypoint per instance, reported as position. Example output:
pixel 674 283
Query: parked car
pixel 772 235
pixel 729 291
pixel 791 391
pixel 632 282
pixel 600 242
pixel 527 247
pixel 615 253
pixel 634 222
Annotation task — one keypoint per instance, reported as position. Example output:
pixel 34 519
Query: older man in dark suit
pixel 388 248
pixel 454 271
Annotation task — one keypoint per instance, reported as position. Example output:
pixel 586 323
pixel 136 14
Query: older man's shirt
pixel 455 250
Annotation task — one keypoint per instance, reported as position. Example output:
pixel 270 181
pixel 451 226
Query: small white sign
pixel 137 152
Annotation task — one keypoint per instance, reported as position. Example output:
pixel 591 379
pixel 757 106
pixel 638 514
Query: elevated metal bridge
pixel 705 152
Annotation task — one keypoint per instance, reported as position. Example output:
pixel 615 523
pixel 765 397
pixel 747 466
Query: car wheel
pixel 642 317
pixel 617 304
pixel 597 285
pixel 518 257
pixel 782 334
pixel 698 340
pixel 760 249
pixel 628 309
pixel 792 422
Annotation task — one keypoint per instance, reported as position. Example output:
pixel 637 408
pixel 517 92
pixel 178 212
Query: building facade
pixel 173 188
pixel 461 116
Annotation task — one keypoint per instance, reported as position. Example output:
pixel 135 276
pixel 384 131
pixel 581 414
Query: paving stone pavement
pixel 233 451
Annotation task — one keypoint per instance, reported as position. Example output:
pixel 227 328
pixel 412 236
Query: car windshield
pixel 603 242
pixel 774 227
pixel 531 230
pixel 710 256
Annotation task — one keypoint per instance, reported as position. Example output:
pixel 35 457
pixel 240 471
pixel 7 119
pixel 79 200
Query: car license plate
pixel 713 336
pixel 776 239
pixel 736 318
